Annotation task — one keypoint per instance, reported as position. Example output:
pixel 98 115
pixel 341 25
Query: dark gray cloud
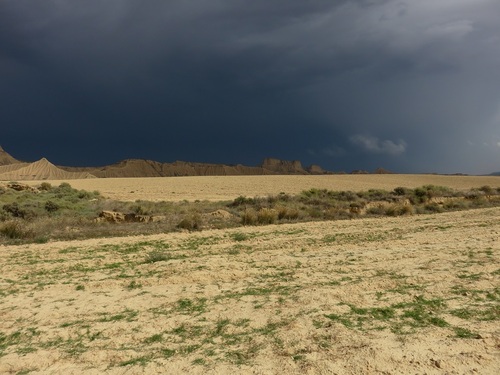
pixel 410 86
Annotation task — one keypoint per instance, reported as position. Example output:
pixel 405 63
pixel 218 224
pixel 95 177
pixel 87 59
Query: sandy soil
pixel 229 187
pixel 409 295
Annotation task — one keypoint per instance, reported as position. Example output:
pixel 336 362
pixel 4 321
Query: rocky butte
pixel 13 169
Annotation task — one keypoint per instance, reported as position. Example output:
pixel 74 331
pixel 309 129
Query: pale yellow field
pixel 229 187
pixel 407 295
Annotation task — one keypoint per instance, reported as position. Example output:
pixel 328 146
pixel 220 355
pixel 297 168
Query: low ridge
pixel 150 168
pixel 12 169
pixel 6 159
pixel 39 170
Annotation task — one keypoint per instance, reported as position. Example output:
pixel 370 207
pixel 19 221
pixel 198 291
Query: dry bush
pixel 249 217
pixel 398 210
pixel 431 208
pixel 337 213
pixel 191 222
pixel 16 230
pixel 267 216
pixel 288 213
pixel 376 210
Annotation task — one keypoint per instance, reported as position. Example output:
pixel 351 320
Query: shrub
pixel 267 216
pixel 284 197
pixel 433 207
pixel 65 186
pixel 249 217
pixel 192 222
pixel 420 194
pixel 487 189
pixel 346 196
pixel 399 210
pixel 402 191
pixel 377 195
pixel 15 230
pixel 286 213
pixel 241 200
pixel 45 186
pixel 437 191
pixel 20 212
pixel 13 209
pixel 83 194
pixel 379 209
pixel 455 204
pixel 335 213
pixel 140 210
pixel 51 206
pixel 4 215
pixel 356 207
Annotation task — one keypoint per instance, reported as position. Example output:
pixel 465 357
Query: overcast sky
pixel 411 86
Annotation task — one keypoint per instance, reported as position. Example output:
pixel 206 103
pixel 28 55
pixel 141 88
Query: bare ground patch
pixel 413 294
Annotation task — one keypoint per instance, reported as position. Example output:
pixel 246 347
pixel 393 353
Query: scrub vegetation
pixel 43 213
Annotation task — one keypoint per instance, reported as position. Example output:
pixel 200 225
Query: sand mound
pixel 39 170
pixel 6 159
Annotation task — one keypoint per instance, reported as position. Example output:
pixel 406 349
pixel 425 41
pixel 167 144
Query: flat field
pixel 216 188
pixel 406 295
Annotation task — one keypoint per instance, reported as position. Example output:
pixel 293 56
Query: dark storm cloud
pixel 412 86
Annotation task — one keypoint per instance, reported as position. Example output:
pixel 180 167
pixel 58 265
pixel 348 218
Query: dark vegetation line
pixel 47 213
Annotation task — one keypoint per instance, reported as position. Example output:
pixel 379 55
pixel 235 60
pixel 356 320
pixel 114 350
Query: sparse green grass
pixel 206 309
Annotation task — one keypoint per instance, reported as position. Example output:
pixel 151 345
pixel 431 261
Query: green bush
pixel 241 200
pixel 45 186
pixel 51 206
pixel 402 191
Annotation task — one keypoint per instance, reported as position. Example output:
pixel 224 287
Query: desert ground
pixel 407 295
pixel 216 188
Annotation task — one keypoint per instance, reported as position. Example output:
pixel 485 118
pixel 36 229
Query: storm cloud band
pixel 412 86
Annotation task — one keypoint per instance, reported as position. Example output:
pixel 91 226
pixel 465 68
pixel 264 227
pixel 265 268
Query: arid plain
pixel 406 295
pixel 216 188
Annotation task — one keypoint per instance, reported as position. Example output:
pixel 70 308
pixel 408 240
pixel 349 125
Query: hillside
pixel 12 169
pixel 150 168
pixel 39 170
pixel 6 159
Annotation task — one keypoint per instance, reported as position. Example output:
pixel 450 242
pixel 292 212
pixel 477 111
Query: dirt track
pixel 407 295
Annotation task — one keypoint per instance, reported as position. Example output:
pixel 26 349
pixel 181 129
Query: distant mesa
pixel 381 171
pixel 15 170
pixel 12 169
pixel 150 168
pixel 283 166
